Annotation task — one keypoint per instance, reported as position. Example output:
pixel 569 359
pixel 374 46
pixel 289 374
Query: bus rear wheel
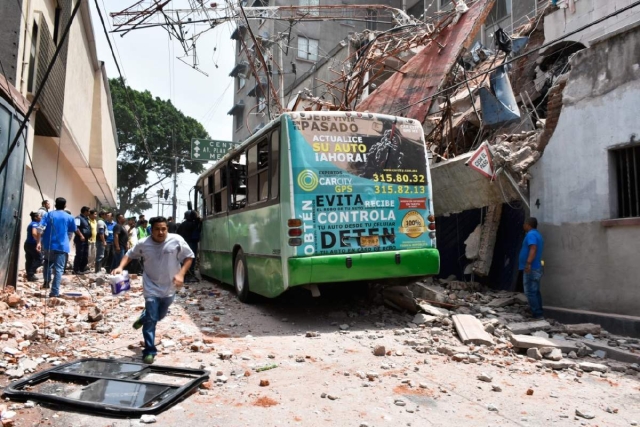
pixel 241 278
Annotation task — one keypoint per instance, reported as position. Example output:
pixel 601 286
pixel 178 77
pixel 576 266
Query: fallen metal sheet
pixel 499 106
pixel 109 387
pixel 425 74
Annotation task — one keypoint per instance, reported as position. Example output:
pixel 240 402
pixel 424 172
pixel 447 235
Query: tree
pixel 168 132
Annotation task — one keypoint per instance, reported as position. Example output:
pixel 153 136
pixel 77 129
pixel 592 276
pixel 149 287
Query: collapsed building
pixel 512 97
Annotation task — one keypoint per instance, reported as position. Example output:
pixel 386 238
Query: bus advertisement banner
pixel 361 184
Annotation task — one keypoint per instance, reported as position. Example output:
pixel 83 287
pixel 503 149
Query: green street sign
pixel 206 150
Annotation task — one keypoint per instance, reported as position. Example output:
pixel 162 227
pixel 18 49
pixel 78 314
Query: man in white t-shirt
pixel 163 254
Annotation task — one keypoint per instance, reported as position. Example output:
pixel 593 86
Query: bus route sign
pixel 206 150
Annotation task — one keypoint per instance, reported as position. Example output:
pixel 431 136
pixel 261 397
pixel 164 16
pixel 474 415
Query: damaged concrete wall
pixel 573 185
pixel 457 188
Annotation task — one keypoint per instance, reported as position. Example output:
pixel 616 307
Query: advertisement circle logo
pixel 308 180
pixel 413 225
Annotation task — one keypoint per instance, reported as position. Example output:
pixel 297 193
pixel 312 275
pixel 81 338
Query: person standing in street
pixel 44 208
pixel 173 227
pixel 530 262
pixel 93 223
pixel 81 241
pixel 189 229
pixel 101 241
pixel 120 240
pixel 32 248
pixel 163 253
pixel 108 249
pixel 55 243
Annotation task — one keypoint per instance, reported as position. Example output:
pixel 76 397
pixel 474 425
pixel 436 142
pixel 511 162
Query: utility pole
pixel 281 65
pixel 175 188
pixel 159 193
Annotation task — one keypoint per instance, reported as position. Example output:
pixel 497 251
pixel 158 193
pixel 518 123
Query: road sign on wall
pixel 206 150
pixel 482 161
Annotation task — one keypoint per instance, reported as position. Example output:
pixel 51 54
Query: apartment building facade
pixel 291 50
pixel 72 135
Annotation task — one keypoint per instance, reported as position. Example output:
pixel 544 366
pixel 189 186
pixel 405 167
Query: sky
pixel 148 61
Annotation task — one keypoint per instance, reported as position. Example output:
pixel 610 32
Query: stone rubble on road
pixel 97 324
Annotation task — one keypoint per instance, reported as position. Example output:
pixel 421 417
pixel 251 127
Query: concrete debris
pixel 585 414
pixel 583 329
pixel 148 419
pixel 528 327
pixel 589 367
pixel 379 350
pixel 534 353
pixel 563 364
pixel 470 330
pixel 421 319
pixel 485 378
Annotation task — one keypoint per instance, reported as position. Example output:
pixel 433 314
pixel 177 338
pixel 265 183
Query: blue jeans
pixel 155 309
pixel 531 283
pixel 55 259
pixel 117 257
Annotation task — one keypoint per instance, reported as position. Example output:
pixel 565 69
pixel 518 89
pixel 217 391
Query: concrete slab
pixel 524 328
pixel 528 341
pixel 614 352
pixel 502 302
pixel 471 330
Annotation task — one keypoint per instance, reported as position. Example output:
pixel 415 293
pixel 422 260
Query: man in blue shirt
pixel 108 249
pixel 55 243
pixel 530 262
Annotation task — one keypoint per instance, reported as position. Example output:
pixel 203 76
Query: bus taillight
pixel 432 226
pixel 295 242
pixel 294 222
pixel 431 218
pixel 295 232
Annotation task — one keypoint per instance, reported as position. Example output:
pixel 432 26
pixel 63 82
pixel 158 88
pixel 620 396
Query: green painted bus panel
pixel 254 232
pixel 224 273
pixel 214 240
pixel 265 276
pixel 365 266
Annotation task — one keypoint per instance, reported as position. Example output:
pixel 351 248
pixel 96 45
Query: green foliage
pixel 168 132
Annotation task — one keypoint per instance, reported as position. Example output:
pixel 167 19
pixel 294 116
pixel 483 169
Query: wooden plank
pixel 471 330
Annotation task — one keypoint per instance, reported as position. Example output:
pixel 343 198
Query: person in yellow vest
pixel 93 223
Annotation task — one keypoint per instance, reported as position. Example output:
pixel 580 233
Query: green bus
pixel 319 197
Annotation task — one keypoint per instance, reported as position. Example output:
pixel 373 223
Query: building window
pixel 311 3
pixel 241 82
pixel 237 121
pixel 307 49
pixel 627 165
pixel 262 103
pixel 33 54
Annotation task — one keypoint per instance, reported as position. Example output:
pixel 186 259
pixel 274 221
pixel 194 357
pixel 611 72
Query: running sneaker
pixel 138 323
pixel 148 359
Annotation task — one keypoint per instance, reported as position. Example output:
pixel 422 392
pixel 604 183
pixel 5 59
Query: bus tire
pixel 241 277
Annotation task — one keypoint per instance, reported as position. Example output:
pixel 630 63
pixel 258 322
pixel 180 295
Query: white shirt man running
pixel 163 255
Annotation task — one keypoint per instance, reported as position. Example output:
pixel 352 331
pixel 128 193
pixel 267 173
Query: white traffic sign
pixel 482 161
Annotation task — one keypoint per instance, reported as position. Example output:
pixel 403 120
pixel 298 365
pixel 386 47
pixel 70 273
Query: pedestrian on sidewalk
pixel 93 223
pixel 32 249
pixel 81 241
pixel 163 253
pixel 530 262
pixel 101 241
pixel 55 243
pixel 120 240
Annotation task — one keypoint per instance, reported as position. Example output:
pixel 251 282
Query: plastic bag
pixel 120 283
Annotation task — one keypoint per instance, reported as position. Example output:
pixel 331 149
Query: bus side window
pixel 207 196
pixel 263 169
pixel 275 163
pixel 252 160
pixel 220 188
pixel 237 181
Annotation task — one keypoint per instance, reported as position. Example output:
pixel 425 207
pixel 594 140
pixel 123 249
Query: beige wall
pixel 78 102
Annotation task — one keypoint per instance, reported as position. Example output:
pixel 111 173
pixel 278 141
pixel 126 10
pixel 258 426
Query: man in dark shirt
pixel 81 241
pixel 120 240
pixel 173 227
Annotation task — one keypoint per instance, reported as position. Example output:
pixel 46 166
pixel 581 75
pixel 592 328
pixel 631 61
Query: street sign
pixel 481 161
pixel 206 150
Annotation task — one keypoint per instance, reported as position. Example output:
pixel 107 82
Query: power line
pixel 515 58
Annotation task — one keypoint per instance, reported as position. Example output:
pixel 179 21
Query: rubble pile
pixel 473 325
pixel 87 321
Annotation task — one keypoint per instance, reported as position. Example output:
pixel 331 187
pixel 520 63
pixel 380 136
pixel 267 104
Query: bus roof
pixel 273 122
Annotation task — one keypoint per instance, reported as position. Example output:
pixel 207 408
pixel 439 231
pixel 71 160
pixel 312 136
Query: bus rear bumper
pixel 363 266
